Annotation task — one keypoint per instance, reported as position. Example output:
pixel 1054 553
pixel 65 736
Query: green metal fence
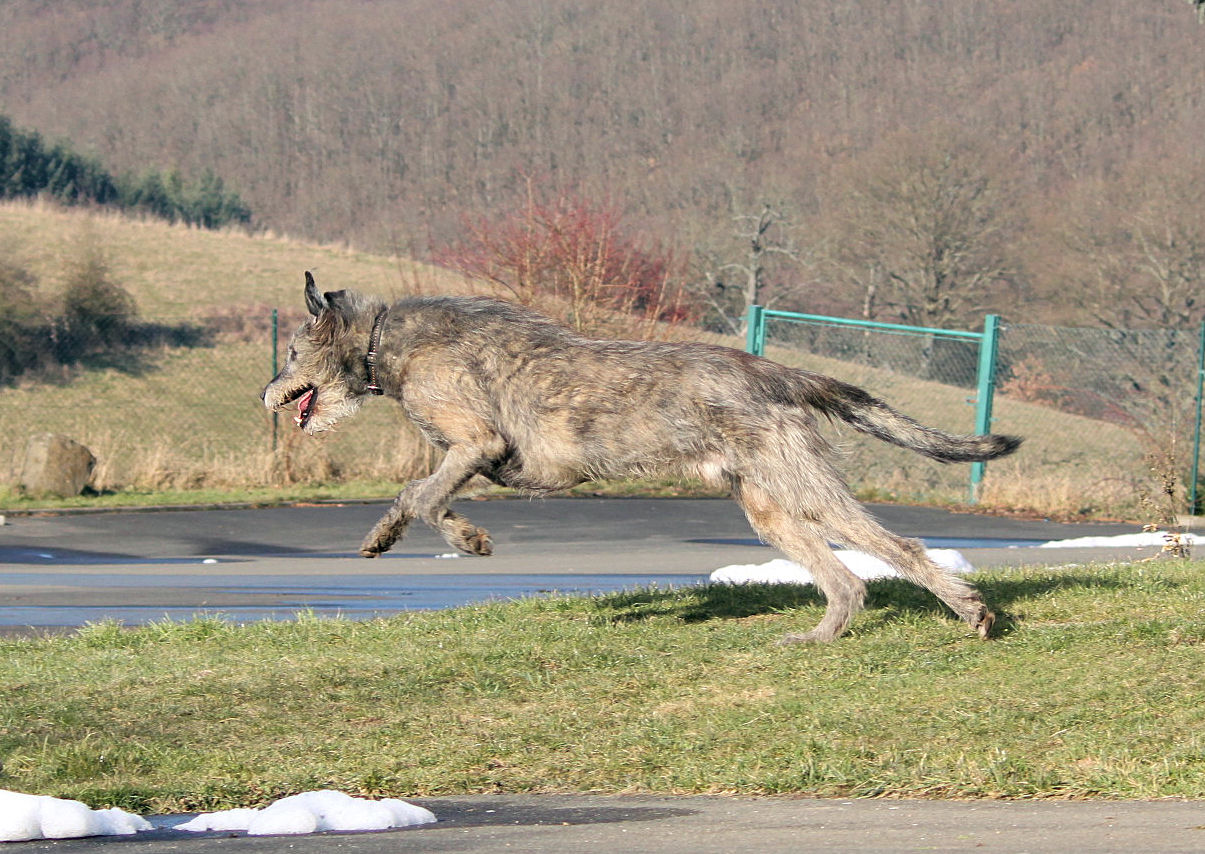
pixel 1106 413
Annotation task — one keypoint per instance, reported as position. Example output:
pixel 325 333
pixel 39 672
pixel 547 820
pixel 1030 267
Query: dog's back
pixel 624 404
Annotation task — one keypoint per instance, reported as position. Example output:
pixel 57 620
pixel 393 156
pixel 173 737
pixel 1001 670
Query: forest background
pixel 918 161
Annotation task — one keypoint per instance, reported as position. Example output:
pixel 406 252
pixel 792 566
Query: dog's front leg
pixel 390 528
pixel 428 499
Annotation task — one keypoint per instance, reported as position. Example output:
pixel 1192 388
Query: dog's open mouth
pixel 306 401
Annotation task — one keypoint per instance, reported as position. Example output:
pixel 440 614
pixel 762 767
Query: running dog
pixel 515 397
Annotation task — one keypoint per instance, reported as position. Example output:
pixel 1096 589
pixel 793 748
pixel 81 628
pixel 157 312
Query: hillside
pixel 185 416
pixel 386 123
pixel 177 271
pixel 185 413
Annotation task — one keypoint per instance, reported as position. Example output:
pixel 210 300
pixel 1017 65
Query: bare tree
pixel 763 245
pixel 1137 246
pixel 923 227
pixel 335 121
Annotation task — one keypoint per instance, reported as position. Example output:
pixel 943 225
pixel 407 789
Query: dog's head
pixel 324 372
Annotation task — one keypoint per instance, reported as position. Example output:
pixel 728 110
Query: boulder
pixel 55 465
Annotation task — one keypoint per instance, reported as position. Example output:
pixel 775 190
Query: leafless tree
pixel 755 273
pixel 923 226
pixel 1137 246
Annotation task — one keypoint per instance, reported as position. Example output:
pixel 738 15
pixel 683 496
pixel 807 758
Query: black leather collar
pixel 370 358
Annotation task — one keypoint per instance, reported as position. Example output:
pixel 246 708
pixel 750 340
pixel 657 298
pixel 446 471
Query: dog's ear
pixel 340 302
pixel 314 301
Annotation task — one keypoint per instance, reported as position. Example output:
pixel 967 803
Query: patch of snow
pixel 225 820
pixel 27 817
pixel 311 812
pixel 1147 538
pixel 782 571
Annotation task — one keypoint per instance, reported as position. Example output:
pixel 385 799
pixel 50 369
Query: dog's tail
pixel 868 414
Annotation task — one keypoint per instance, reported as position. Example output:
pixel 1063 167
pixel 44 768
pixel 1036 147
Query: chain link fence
pixel 1111 418
pixel 1129 399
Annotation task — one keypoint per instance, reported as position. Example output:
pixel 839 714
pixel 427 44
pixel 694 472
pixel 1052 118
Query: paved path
pixel 67 569
pixel 589 824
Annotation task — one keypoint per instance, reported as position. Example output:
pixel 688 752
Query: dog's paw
pixel 478 543
pixel 460 533
pixel 984 626
pixel 375 544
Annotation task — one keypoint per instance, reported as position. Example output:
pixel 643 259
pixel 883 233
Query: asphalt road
pixel 588 824
pixel 62 570
pixel 57 570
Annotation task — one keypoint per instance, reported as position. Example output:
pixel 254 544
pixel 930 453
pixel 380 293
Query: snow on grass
pixel 1147 538
pixel 782 571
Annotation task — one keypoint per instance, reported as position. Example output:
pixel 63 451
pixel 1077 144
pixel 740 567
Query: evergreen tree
pixel 28 167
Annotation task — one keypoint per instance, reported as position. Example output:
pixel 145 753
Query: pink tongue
pixel 302 403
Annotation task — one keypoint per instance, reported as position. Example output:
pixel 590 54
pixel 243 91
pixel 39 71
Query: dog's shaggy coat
pixel 525 402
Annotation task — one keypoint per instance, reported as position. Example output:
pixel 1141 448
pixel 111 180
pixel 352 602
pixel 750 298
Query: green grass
pixel 13 501
pixel 1096 688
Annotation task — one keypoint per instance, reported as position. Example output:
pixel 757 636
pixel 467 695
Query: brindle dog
pixel 525 402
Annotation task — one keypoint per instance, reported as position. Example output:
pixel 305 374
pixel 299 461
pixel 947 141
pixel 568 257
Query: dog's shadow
pixel 728 601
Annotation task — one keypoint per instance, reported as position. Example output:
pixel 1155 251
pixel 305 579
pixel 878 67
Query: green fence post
pixel 275 370
pixel 986 392
pixel 1196 435
pixel 755 330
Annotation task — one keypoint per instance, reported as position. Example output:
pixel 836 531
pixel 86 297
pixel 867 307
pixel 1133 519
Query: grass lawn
pixel 1095 687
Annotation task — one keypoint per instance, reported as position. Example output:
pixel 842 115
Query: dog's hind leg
pixel 852 526
pixel 843 591
pixel 428 500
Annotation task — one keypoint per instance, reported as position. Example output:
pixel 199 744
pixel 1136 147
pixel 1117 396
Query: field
pixel 182 418
pixel 1093 689
pixel 186 421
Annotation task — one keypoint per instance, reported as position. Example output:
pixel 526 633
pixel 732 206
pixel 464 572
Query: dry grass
pixel 179 271
pixel 190 417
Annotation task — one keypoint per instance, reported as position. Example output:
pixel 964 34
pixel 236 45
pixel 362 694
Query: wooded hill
pixel 923 160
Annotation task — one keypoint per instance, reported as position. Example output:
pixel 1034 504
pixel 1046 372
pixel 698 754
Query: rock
pixel 55 465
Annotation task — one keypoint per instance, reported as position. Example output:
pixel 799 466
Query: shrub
pixel 573 259
pixel 24 322
pixel 98 314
